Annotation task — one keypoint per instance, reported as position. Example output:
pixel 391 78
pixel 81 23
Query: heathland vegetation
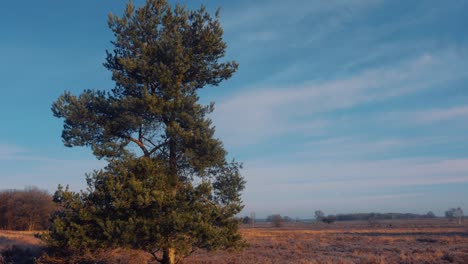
pixel 356 238
pixel 169 193
pixel 435 240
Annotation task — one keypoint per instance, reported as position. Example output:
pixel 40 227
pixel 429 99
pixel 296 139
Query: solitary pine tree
pixel 168 188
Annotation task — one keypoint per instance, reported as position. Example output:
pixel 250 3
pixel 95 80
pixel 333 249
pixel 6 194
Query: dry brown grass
pixel 19 247
pixel 24 238
pixel 425 241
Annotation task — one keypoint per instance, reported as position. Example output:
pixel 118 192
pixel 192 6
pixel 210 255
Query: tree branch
pixel 140 144
pixel 149 141
pixel 156 147
pixel 140 135
pixel 156 257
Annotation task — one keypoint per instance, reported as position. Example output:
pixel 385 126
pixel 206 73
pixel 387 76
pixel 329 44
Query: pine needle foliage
pixel 168 187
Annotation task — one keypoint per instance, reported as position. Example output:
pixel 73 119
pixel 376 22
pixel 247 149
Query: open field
pixel 19 247
pixel 397 241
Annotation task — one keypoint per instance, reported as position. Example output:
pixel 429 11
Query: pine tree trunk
pixel 169 256
pixel 172 162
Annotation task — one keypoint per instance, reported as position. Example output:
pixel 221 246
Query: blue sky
pixel 343 106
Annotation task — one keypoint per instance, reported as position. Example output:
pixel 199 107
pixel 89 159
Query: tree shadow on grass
pixel 18 251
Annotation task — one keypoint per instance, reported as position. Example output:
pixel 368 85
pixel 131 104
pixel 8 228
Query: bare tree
pixel 276 220
pixel 252 219
pixel 454 213
pixel 28 209
pixel 319 215
pixel 459 215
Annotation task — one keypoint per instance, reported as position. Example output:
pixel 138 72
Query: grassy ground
pixel 424 241
pixel 19 247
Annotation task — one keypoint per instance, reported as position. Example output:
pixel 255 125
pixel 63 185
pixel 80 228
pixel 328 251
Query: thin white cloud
pixel 345 148
pixel 438 115
pixel 260 36
pixel 22 167
pixel 8 150
pixel 351 147
pixel 426 116
pixel 327 176
pixel 257 114
pixel 289 12
pixel 334 204
pixel 262 29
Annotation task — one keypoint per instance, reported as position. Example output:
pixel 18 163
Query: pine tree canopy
pixel 168 188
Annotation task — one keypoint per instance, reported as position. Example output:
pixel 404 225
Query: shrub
pixel 329 219
pixel 276 220
pixel 27 209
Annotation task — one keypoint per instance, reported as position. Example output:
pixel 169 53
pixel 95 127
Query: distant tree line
pixel 321 217
pixel 27 209
pixel 382 216
pixel 277 220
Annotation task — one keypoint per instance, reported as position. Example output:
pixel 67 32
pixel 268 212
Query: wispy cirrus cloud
pixel 261 29
pixel 357 185
pixel 333 204
pixel 354 147
pixel 257 114
pixel 7 151
pixel 23 167
pixel 263 12
pixel 435 115
pixel 355 175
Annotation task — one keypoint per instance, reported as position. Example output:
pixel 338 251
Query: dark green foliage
pixel 319 215
pixel 130 204
pixel 430 214
pixel 381 216
pixel 329 219
pixel 168 186
pixel 161 58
